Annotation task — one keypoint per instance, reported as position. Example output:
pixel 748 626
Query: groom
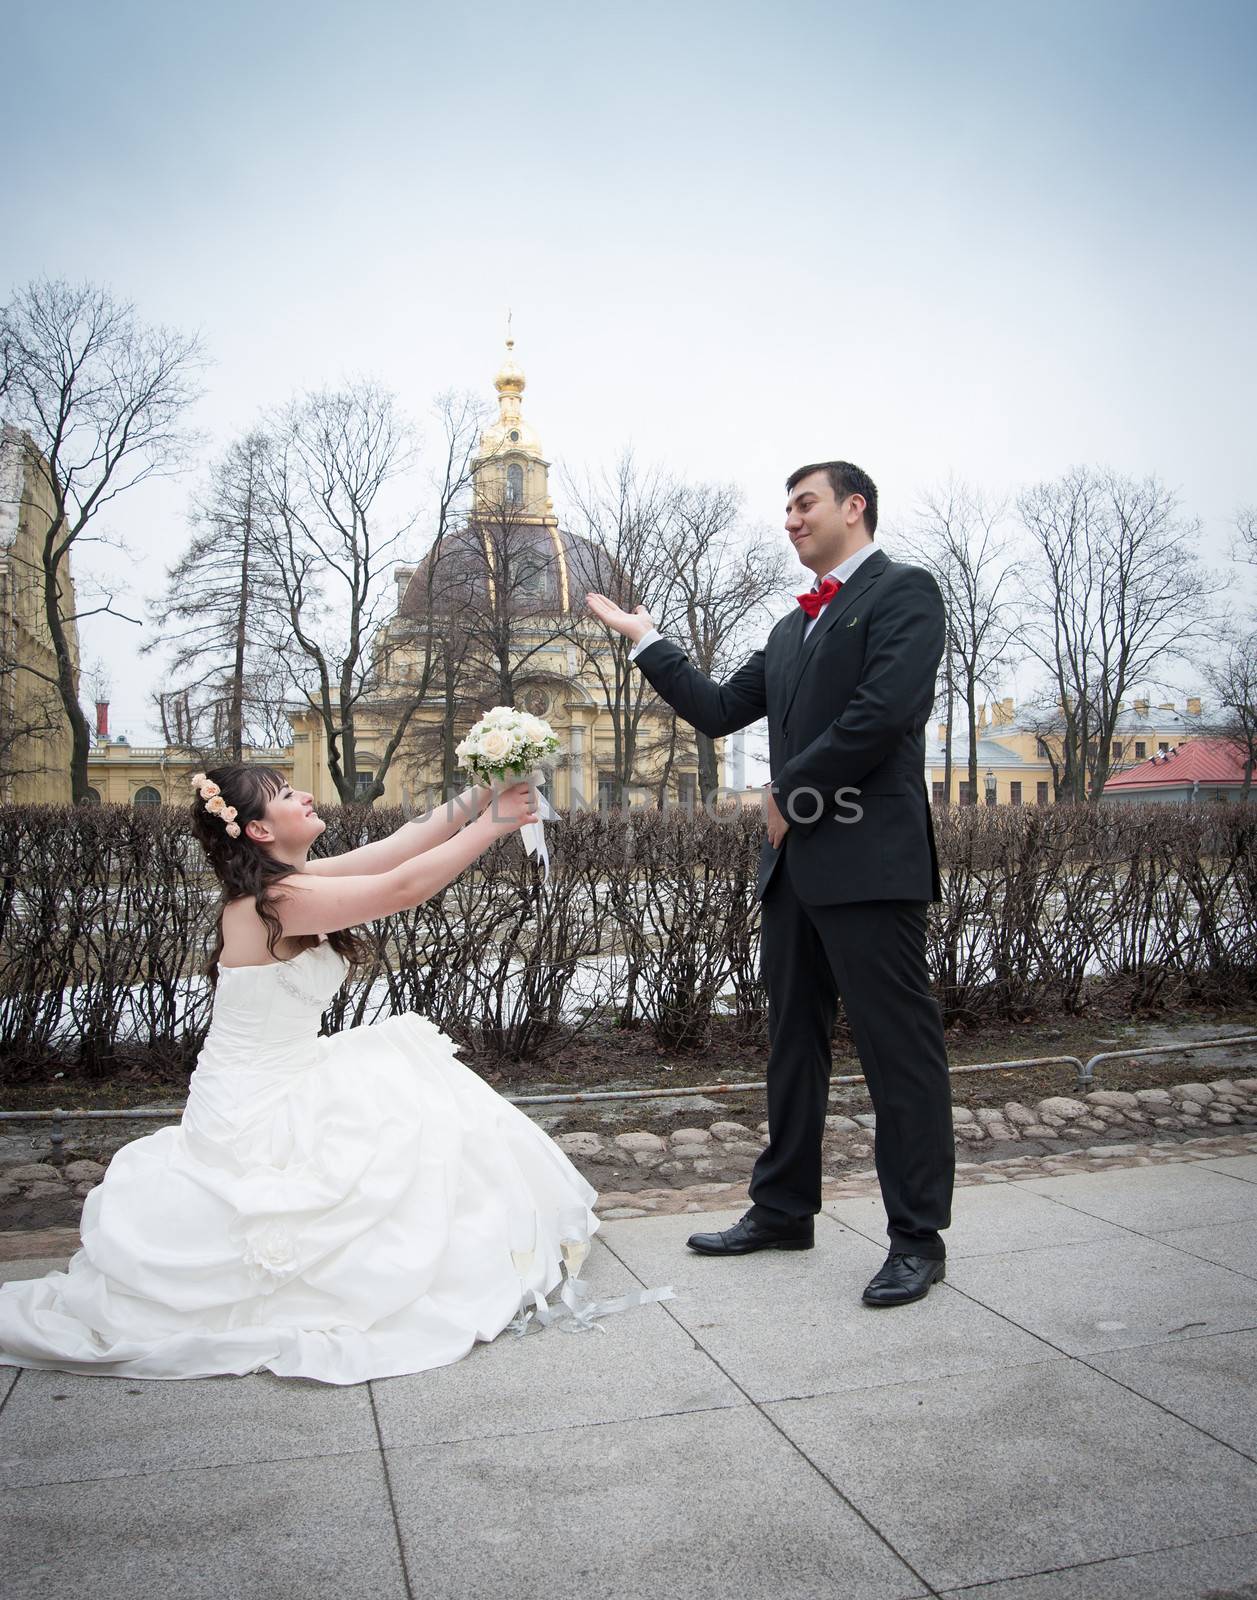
pixel 847 683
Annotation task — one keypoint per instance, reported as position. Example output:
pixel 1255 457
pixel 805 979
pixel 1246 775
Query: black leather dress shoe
pixel 748 1235
pixel 903 1279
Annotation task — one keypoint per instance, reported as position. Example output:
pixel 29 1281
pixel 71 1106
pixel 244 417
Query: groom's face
pixel 817 524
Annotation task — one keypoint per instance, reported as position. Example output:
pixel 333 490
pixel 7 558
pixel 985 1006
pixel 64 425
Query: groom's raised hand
pixel 634 625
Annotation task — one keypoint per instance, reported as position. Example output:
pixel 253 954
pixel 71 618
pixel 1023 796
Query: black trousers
pixel 872 954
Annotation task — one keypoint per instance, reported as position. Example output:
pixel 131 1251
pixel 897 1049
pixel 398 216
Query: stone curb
pixel 613 1206
pixel 717 1159
pixel 723 1154
pixel 30 1244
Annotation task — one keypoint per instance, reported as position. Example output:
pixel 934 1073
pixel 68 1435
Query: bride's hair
pixel 246 869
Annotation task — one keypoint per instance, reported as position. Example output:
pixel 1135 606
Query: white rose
pixel 496 744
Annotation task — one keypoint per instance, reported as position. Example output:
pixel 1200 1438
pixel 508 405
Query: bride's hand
pixel 515 807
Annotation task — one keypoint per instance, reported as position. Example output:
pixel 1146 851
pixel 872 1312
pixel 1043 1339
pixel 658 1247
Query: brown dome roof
pixel 544 569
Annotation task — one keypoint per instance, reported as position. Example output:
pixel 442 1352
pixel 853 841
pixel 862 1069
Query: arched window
pixel 531 577
pixel 147 796
pixel 514 484
pixel 91 798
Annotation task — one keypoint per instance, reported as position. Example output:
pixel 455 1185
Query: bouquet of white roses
pixel 504 747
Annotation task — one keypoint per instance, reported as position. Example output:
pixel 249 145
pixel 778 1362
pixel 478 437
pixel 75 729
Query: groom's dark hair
pixel 844 478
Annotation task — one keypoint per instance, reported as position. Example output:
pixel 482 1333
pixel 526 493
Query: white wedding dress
pixel 338 1208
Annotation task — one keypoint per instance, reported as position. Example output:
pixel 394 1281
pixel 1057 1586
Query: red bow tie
pixel 816 599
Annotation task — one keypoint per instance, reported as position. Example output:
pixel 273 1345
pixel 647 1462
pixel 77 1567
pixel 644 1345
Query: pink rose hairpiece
pixel 212 796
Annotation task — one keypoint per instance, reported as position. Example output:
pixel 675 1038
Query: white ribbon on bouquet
pixel 533 834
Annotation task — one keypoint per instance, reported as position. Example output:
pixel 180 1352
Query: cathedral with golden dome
pixel 495 614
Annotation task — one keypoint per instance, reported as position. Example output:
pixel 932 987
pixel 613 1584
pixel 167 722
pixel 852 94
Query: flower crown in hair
pixel 215 804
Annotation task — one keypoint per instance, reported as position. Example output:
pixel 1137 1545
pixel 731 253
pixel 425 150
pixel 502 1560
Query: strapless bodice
pixel 272 1007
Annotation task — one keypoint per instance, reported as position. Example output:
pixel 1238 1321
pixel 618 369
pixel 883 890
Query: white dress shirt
pixel 842 573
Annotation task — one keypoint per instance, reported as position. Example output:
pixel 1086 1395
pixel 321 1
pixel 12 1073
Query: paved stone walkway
pixel 1072 1415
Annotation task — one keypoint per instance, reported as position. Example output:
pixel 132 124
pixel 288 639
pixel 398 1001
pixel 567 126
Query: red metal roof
pixel 1204 761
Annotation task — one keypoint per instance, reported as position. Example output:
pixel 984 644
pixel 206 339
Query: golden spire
pixel 510 378
pixel 511 436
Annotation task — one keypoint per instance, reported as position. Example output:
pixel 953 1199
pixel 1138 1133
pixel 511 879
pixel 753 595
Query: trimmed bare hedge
pixel 649 919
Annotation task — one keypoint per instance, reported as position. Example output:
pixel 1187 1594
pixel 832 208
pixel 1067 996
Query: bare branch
pixel 1116 593
pixel 107 609
pixel 100 398
pixel 958 535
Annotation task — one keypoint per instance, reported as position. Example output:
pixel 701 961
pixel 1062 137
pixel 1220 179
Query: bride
pixel 337 1208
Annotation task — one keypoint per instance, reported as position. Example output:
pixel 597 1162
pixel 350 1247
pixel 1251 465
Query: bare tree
pixel 514 610
pixel 1244 545
pixel 101 398
pixel 436 612
pixel 493 598
pixel 426 645
pixel 332 538
pixel 218 615
pixel 1229 668
pixel 1115 595
pixel 30 710
pixel 1230 673
pixel 461 690
pixel 723 576
pixel 622 551
pixel 957 536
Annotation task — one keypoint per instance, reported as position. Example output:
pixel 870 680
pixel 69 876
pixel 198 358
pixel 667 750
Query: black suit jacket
pixel 847 712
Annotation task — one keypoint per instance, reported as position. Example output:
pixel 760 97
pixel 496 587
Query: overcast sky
pixel 992 238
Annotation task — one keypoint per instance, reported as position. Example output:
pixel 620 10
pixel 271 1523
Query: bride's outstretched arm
pixel 412 839
pixel 316 903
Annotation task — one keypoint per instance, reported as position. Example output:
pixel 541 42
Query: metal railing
pixel 835 1082
pixel 1084 1079
pixel 1085 1076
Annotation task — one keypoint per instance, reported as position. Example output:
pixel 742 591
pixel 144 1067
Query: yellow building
pixel 510 581
pixel 1013 763
pixel 123 774
pixel 35 738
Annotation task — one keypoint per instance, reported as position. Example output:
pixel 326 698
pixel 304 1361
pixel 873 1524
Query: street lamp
pixel 989 780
